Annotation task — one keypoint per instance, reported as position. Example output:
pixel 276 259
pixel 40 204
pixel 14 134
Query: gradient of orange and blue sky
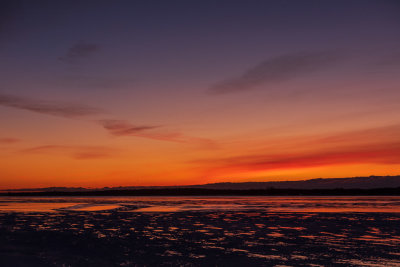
pixel 110 93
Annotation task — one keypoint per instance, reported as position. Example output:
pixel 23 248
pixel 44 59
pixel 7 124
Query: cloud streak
pixel 49 108
pixel 9 140
pixel 76 152
pixel 79 51
pixel 277 69
pixel 124 128
pixel 383 154
pixel 379 145
pixel 113 126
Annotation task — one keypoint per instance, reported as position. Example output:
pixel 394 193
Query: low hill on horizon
pixel 369 182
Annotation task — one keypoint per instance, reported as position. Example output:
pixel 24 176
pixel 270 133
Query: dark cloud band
pixel 277 69
pixel 49 108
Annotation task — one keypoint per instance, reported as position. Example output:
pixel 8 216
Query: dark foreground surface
pixel 194 238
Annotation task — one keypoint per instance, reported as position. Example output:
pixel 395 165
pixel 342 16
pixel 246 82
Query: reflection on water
pixel 182 204
pixel 91 207
pixel 27 206
pixel 175 231
pixel 159 209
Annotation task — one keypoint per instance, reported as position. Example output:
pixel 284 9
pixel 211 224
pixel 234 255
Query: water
pixel 206 231
pixel 181 204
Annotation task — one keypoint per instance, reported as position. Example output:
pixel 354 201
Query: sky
pixel 131 93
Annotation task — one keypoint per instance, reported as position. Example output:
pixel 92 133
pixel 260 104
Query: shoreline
pixel 216 192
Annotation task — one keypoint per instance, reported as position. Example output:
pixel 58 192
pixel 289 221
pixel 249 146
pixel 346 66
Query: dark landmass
pixel 225 238
pixel 370 182
pixel 372 185
pixel 218 192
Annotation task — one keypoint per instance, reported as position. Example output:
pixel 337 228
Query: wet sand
pixel 219 236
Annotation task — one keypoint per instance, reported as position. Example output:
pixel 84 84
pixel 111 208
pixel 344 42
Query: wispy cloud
pixel 79 51
pixel 370 146
pixel 277 69
pixel 375 135
pixel 76 152
pixel 379 154
pixel 46 107
pixel 156 132
pixel 121 128
pixel 9 140
pixel 113 126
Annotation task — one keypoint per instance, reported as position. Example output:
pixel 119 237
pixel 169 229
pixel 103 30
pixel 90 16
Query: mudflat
pixel 220 231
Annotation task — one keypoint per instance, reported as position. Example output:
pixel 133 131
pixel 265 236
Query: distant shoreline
pixel 219 192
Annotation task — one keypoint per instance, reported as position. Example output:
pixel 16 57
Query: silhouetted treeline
pixel 220 192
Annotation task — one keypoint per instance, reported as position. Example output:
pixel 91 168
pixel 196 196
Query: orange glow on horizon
pixel 145 162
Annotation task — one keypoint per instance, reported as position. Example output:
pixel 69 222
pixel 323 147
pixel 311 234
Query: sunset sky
pixel 126 93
